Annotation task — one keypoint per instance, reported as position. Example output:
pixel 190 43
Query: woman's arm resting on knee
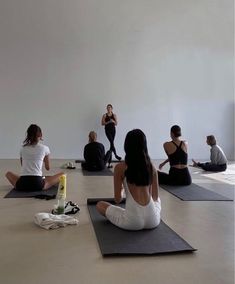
pixel 118 179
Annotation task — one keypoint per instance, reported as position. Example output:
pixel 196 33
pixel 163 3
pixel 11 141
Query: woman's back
pixel 171 146
pixel 141 194
pixel 141 210
pixel 32 157
pixel 177 153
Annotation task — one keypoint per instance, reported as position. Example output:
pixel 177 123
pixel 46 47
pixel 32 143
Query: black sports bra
pixel 179 157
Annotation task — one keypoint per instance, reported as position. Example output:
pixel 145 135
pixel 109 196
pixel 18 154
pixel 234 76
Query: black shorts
pixel 30 183
pixel 93 167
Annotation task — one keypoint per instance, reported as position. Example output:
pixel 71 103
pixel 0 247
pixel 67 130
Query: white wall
pixel 159 62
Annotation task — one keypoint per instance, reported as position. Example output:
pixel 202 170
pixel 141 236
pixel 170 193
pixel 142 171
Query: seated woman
pixel 32 156
pixel 176 151
pixel 140 181
pixel 218 161
pixel 94 155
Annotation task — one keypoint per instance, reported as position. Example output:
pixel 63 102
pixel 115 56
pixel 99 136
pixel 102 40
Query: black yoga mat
pixel 113 161
pixel 105 172
pixel 42 194
pixel 194 192
pixel 115 241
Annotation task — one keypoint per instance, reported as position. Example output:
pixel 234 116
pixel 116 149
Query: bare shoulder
pixel 120 168
pixel 185 143
pixel 166 144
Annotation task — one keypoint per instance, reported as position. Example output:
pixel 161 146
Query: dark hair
pixel 211 140
pixel 176 130
pixel 109 105
pixel 33 132
pixel 139 167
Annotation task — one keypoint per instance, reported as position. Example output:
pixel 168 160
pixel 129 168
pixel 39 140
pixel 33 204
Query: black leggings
pixel 175 177
pixel 100 165
pixel 212 167
pixel 110 133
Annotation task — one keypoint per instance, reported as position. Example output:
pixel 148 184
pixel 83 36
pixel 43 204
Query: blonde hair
pixel 92 136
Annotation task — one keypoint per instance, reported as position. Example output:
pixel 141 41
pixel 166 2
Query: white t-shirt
pixel 32 159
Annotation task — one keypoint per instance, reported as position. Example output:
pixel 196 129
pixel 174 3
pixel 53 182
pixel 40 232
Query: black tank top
pixel 110 125
pixel 179 157
pixel 108 118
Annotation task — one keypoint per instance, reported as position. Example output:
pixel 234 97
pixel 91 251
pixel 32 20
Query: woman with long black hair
pixel 33 155
pixel 140 181
pixel 109 120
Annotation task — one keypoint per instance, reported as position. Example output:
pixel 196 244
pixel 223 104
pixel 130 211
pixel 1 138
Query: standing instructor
pixel 109 120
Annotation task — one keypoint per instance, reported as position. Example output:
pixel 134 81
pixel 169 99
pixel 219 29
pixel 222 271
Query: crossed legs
pixel 209 166
pixel 102 206
pixel 110 133
pixel 12 178
pixel 49 180
pixel 52 180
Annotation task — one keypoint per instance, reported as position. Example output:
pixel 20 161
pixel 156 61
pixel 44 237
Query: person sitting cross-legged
pixel 218 161
pixel 138 178
pixel 94 155
pixel 34 155
pixel 176 150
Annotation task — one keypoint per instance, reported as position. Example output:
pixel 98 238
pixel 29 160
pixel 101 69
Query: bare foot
pixel 194 163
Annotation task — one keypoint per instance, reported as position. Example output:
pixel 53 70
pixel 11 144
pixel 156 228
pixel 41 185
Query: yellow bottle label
pixel 62 187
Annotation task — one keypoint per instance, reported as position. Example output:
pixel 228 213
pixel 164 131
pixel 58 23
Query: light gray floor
pixel 31 255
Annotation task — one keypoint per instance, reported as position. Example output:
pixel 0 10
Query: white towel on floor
pixel 50 221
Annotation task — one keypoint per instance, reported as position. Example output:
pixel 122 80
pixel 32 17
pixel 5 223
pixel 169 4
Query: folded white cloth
pixel 50 221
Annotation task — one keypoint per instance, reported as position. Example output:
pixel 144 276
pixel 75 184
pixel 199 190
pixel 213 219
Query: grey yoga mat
pixel 115 241
pixel 42 194
pixel 194 192
pixel 105 172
